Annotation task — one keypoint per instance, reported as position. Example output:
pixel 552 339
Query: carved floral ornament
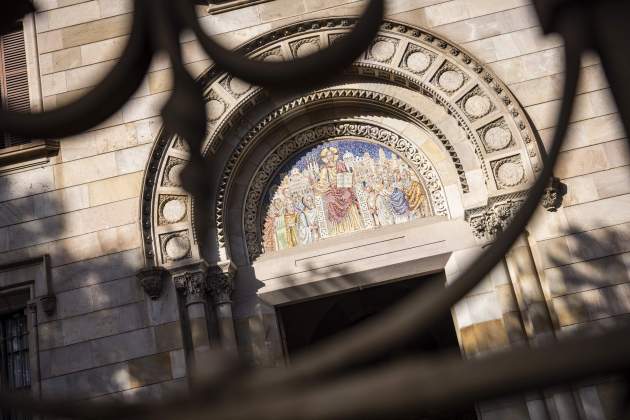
pixel 415 59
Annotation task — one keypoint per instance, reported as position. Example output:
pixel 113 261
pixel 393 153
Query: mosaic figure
pixel 340 187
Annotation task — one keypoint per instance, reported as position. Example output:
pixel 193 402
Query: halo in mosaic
pixel 339 187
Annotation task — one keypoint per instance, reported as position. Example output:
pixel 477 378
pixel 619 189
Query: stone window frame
pixel 16 302
pixel 31 276
pixel 221 6
pixel 37 151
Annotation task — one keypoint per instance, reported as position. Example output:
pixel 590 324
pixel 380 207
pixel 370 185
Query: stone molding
pixel 334 130
pixel 221 282
pixel 27 155
pixel 323 95
pixel 152 280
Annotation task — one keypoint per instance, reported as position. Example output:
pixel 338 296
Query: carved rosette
pixel 152 281
pixel 221 282
pixel 192 286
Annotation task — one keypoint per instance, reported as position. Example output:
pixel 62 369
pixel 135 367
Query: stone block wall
pixel 108 340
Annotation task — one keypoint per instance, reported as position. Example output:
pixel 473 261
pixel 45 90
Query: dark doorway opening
pixel 307 323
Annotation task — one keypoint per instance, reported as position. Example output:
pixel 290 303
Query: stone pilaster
pixel 537 317
pixel 190 283
pixel 221 285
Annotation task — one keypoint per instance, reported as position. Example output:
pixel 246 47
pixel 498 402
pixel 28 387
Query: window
pixel 14 89
pixel 15 372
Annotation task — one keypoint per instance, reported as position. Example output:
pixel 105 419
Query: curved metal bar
pixel 418 312
pixel 301 72
pixel 405 386
pixel 404 321
pixel 101 102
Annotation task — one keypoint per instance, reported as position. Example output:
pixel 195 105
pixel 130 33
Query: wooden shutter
pixel 14 79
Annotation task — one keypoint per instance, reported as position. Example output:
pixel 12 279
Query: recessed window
pixel 16 47
pixel 15 370
pixel 14 89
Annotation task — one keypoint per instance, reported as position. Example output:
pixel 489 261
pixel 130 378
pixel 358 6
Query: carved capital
pixel 221 281
pixel 192 285
pixel 152 281
pixel 488 221
pixel 552 197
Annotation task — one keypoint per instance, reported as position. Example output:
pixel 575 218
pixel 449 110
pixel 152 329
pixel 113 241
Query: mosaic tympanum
pixel 339 187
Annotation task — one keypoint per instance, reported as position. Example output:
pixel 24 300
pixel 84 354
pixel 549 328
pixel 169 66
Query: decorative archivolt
pixel 364 96
pixel 329 131
pixel 421 62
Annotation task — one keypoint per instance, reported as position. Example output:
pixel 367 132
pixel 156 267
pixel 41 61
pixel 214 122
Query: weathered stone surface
pixel 150 369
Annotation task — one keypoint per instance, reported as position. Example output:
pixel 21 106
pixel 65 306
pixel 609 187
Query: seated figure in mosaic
pixel 336 185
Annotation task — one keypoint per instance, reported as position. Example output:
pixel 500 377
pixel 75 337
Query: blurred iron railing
pixel 318 384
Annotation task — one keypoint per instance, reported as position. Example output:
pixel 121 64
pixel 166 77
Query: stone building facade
pixel 98 239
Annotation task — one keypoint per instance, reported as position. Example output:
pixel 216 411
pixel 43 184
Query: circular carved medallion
pixel 173 210
pixel 418 61
pixel 383 50
pixel 498 138
pixel 175 174
pixel 177 247
pixel 477 106
pixel 238 86
pixel 215 109
pixel 510 173
pixel 306 48
pixel 451 80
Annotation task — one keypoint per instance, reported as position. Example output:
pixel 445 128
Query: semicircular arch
pixel 473 114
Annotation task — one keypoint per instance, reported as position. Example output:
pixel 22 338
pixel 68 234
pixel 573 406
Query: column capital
pixel 221 281
pixel 190 282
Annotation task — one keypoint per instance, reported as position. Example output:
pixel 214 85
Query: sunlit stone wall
pixel 107 340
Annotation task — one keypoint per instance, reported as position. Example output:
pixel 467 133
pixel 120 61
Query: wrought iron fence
pixel 318 384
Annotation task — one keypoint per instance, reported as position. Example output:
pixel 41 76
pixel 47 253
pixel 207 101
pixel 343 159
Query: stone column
pixel 221 286
pixel 190 282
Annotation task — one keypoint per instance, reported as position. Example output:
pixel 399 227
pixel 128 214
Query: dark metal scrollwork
pixel 305 389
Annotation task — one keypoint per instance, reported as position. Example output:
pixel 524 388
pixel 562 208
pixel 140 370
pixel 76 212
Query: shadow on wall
pixel 106 339
pixel 589 283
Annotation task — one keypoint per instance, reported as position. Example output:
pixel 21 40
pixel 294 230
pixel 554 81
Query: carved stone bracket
pixel 152 281
pixel 191 283
pixel 552 197
pixel 489 220
pixel 49 304
pixel 221 281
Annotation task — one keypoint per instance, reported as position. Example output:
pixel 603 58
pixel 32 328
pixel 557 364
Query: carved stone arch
pixel 472 114
pixel 331 130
